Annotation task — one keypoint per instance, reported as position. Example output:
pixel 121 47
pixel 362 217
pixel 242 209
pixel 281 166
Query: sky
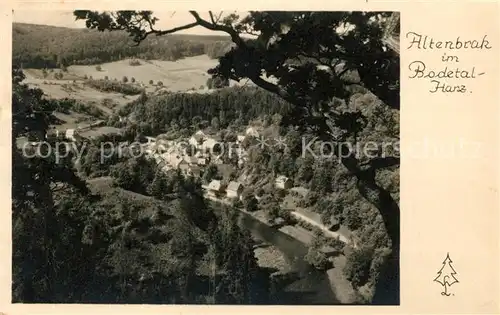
pixel 167 19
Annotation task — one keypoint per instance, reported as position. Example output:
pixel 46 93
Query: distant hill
pixel 43 46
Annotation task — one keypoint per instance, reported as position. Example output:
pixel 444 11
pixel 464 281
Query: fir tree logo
pixel 446 275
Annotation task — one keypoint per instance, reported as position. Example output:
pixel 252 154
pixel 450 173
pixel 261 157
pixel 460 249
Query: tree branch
pixel 165 32
pixel 212 17
pixel 235 37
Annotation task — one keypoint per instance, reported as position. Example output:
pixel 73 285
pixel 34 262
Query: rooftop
pixel 234 186
pixel 215 185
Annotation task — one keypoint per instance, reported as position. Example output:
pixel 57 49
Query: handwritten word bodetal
pixel 419 70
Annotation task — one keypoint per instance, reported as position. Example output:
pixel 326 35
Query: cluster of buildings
pixel 171 154
pixel 234 190
pixel 204 149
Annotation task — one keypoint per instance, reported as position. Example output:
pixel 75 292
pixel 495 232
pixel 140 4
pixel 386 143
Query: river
pixel 312 286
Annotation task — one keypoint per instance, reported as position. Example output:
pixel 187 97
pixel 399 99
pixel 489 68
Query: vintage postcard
pixel 213 157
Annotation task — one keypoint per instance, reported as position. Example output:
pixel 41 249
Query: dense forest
pixel 236 106
pixel 42 46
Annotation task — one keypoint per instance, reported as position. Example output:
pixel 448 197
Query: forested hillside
pixel 42 46
pixel 236 106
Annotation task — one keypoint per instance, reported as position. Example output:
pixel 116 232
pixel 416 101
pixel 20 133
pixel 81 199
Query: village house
pixel 176 161
pixel 283 182
pixel 234 190
pixel 214 189
pixel 151 140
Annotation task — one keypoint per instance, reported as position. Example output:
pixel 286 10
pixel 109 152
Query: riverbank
pixel 272 257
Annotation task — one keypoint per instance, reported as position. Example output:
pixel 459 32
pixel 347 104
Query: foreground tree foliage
pixel 39 255
pixel 310 55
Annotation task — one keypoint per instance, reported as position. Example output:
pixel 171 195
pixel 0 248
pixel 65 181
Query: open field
pixel 72 120
pixel 60 89
pixel 180 75
pixel 183 75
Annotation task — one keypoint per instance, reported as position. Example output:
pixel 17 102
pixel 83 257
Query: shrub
pixel 160 83
pixel 132 80
pixel 151 82
pixel 217 83
pixel 238 204
pixel 250 203
pixel 311 199
pixel 260 192
pixel 106 77
pixel 98 68
pixel 134 62
pixel 114 86
pixel 124 79
pixel 336 243
pixel 316 258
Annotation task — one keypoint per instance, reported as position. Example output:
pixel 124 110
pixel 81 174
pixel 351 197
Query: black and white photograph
pixel 206 157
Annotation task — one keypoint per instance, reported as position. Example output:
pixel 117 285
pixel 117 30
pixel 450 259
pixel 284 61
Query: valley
pixel 192 187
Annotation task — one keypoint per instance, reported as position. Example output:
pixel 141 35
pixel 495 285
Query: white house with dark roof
pixel 234 190
pixel 283 182
pixel 215 189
